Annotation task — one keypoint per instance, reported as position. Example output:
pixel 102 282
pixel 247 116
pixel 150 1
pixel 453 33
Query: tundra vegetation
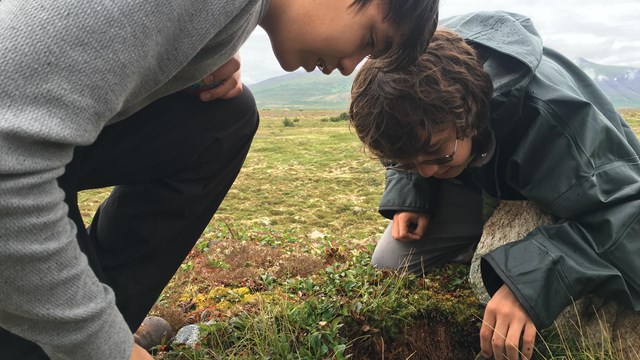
pixel 282 271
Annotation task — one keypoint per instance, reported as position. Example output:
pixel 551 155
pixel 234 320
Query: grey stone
pixel 596 322
pixel 152 332
pixel 511 221
pixel 188 335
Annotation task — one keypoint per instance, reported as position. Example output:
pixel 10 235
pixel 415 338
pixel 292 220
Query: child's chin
pixel 450 173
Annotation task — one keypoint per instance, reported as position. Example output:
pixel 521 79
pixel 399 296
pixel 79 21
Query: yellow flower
pixel 249 298
pixel 201 300
pixel 242 291
pixel 217 292
pixel 224 305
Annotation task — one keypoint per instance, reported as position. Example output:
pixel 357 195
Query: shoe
pixel 152 332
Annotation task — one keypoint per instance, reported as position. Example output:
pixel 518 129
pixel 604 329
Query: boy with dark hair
pixel 90 96
pixel 488 113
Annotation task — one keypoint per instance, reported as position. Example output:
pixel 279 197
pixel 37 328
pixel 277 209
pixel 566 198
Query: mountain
pixel 300 90
pixel 316 91
pixel 620 83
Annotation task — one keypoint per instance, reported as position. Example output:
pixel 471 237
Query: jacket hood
pixel 511 50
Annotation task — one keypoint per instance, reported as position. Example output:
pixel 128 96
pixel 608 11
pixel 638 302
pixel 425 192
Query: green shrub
pixel 342 117
pixel 288 122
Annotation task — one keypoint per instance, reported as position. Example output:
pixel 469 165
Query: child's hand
pixel 409 226
pixel 504 322
pixel 223 83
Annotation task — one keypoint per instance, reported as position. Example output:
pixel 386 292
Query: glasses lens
pixel 437 161
pixel 440 161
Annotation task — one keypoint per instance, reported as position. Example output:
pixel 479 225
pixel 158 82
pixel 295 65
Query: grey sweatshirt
pixel 67 69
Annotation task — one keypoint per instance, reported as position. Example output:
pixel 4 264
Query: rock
pixel 315 235
pixel 188 335
pixel 512 220
pixel 152 332
pixel 589 319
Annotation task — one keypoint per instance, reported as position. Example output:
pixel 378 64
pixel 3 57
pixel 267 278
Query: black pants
pixel 172 164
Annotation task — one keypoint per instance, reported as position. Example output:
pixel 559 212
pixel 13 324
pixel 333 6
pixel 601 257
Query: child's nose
pixel 427 170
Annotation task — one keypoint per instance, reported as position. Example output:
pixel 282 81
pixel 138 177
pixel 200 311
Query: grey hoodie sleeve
pixel 67 67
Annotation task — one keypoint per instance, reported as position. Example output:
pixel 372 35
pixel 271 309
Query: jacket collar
pixel 484 145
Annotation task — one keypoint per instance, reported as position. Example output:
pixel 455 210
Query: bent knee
pixel 244 105
pixel 395 261
pixel 235 115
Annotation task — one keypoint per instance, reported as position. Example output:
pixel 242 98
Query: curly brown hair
pixel 395 114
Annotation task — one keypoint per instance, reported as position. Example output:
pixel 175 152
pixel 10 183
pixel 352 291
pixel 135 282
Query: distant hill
pixel 300 90
pixel 620 83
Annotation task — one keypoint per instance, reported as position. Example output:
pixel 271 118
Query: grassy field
pixel 282 271
pixel 312 176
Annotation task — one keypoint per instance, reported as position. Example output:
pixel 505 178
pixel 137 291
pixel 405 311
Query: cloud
pixel 257 59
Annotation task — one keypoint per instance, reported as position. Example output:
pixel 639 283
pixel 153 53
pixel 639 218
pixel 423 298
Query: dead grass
pixel 232 263
pixel 632 116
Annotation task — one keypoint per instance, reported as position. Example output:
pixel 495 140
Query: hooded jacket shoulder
pixel 511 51
pixel 511 34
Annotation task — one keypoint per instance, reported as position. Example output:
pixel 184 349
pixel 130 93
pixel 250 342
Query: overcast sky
pixel 602 31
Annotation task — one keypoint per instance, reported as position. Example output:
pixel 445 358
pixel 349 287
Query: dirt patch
pixel 429 339
pixel 230 262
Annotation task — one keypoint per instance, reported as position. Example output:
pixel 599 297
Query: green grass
pixel 312 176
pixel 282 271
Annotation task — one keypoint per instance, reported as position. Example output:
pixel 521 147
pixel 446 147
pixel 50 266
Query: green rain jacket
pixel 559 143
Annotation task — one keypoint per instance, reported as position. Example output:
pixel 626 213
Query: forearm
pixel 49 294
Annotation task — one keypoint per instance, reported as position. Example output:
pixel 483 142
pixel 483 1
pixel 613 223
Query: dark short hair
pixel 419 18
pixel 395 114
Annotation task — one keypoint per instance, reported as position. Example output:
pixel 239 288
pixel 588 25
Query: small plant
pixel 288 122
pixel 218 264
pixel 187 266
pixel 342 117
pixel 267 280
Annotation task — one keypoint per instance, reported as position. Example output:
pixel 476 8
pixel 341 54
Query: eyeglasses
pixel 437 161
